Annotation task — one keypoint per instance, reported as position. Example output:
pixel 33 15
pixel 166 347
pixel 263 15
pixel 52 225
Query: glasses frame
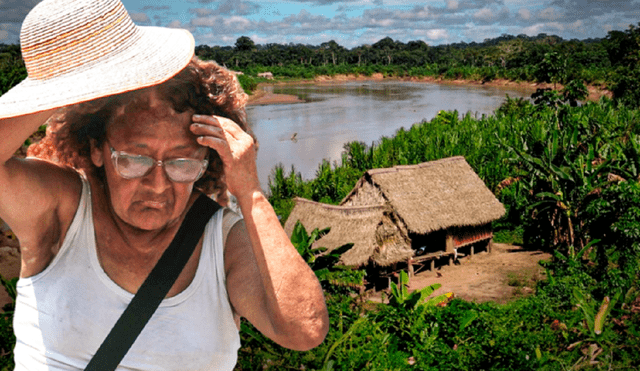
pixel 115 155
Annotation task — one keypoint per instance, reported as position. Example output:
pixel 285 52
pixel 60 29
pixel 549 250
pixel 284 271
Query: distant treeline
pixel 506 51
pixel 611 62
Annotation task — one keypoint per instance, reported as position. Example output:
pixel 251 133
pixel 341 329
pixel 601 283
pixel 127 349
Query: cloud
pixel 535 29
pixel 201 12
pixel 15 10
pixel 524 14
pixel 140 17
pixel 237 22
pixel 437 34
pixel 490 15
pixel 484 14
pixel 155 8
pixel 550 14
pixel 238 7
pixel 354 22
pixel 331 2
pixel 306 20
pixel 417 13
pixel 12 13
pixel 212 21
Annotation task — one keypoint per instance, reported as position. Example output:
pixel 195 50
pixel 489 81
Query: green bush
pixel 248 83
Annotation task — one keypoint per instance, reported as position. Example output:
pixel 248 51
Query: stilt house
pixel 406 212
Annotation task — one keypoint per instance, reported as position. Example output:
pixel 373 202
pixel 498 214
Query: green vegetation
pixel 567 173
pixel 7 338
pixel 12 69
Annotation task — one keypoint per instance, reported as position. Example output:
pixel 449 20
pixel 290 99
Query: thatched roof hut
pixel 429 196
pixel 374 235
pixel 388 207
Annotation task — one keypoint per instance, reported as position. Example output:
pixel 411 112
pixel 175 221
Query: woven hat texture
pixel 79 50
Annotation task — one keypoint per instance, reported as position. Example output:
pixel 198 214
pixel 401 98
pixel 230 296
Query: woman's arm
pixel 37 198
pixel 268 281
pixel 14 131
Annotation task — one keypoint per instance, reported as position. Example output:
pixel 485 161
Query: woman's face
pixel 153 201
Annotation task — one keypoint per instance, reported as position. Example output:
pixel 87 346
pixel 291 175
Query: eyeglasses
pixel 180 170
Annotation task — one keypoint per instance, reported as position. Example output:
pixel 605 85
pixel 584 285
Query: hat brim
pixel 156 56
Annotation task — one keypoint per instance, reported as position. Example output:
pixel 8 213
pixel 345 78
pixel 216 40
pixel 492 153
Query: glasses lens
pixel 133 166
pixel 185 169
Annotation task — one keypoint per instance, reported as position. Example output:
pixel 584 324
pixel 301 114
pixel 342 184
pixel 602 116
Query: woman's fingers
pixel 219 144
pixel 207 130
pixel 222 123
pixel 235 147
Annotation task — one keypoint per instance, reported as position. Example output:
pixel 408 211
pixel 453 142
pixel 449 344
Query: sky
pixel 352 23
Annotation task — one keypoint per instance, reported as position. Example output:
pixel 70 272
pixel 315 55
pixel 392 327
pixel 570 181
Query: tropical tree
pixel 245 44
pixel 561 171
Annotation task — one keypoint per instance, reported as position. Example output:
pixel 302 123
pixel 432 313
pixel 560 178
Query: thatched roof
pixel 369 228
pixel 387 204
pixel 432 195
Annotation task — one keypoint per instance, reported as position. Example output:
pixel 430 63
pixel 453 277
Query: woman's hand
pixel 236 148
pixel 267 280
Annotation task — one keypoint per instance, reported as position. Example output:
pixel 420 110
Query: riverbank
pixel 261 97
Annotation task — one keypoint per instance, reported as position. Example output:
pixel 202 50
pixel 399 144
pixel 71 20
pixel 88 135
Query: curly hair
pixel 204 87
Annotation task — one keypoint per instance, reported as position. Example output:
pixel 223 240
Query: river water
pixel 337 113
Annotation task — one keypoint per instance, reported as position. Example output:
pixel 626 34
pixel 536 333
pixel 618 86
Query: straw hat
pixel 79 50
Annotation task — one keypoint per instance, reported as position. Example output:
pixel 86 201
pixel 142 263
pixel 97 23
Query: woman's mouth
pixel 154 204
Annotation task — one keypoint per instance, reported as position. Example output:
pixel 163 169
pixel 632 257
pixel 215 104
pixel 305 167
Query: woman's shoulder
pixel 46 207
pixel 64 183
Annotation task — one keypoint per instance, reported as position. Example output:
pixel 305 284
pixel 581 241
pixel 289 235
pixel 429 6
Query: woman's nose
pixel 158 179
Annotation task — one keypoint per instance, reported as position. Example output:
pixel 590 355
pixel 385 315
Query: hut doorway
pixel 428 243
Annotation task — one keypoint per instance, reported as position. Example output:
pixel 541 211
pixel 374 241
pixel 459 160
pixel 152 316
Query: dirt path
pixel 507 272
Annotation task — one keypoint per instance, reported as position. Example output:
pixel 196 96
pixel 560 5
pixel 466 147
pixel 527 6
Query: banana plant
pixel 400 296
pixel 325 264
pixel 562 176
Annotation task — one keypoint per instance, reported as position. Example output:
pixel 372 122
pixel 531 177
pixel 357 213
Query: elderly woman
pixel 138 130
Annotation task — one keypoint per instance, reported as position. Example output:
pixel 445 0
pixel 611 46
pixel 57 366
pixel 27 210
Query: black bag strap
pixel 155 287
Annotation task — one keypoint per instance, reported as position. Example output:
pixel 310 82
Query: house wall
pixel 463 236
pixel 393 243
pixel 366 195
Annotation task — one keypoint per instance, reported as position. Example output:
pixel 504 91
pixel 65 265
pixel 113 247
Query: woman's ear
pixel 96 153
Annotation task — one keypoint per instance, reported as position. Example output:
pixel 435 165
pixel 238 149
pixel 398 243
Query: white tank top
pixel 65 312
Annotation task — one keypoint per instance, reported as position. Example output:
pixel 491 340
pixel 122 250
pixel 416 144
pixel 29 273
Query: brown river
pixel 302 134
